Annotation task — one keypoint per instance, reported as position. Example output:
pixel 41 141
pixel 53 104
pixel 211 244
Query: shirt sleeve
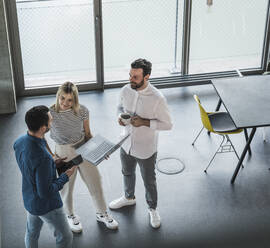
pixel 163 119
pixel 46 183
pixel 84 113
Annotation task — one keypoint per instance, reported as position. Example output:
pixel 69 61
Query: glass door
pixel 150 29
pixel 57 39
pixel 227 35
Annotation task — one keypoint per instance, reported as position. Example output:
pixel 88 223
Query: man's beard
pixel 135 86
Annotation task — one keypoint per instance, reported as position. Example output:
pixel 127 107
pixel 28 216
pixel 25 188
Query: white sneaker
pixel 154 218
pixel 74 223
pixel 108 220
pixel 122 202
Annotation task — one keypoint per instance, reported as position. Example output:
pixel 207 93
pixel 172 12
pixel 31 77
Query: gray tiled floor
pixel 197 209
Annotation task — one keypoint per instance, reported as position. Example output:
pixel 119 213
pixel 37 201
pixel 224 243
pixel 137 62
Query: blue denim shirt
pixel 40 186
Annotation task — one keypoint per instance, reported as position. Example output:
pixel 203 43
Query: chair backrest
pixel 204 116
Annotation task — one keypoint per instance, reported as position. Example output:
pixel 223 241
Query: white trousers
pixel 90 176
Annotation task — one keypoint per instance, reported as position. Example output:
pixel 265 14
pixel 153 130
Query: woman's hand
pixel 87 137
pixel 70 171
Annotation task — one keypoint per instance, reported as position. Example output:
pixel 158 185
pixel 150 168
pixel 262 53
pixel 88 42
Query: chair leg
pixel 223 138
pixel 264 135
pixel 227 136
pixel 197 136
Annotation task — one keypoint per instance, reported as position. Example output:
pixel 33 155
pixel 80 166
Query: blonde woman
pixel 70 126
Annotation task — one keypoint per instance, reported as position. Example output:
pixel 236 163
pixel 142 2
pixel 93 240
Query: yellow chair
pixel 219 123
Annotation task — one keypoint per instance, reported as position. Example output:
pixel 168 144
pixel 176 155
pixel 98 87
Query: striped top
pixel 67 127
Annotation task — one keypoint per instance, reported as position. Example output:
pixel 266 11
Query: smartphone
pixel 75 161
pixel 67 165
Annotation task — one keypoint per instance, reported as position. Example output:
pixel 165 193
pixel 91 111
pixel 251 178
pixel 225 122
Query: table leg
pixel 243 155
pixel 246 136
pixel 218 105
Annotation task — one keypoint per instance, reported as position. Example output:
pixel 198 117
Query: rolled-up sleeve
pixel 163 119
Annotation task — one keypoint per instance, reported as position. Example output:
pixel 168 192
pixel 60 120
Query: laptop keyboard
pixel 100 150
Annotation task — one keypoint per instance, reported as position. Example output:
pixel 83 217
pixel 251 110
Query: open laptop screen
pixel 97 148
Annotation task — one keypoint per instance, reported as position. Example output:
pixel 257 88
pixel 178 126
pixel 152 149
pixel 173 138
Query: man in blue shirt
pixel 40 186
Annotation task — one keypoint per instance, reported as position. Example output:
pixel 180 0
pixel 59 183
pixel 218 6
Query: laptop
pixel 98 148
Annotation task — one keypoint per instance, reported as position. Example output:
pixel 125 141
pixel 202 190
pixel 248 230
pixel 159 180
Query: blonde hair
pixel 68 88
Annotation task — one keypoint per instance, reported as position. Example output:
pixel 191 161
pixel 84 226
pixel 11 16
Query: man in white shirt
pixel 150 114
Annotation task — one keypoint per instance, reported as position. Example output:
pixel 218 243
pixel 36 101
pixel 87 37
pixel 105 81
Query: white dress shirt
pixel 148 103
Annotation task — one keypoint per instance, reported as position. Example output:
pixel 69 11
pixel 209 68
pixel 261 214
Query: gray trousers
pixel 147 168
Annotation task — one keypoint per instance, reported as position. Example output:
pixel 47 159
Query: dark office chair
pixel 219 123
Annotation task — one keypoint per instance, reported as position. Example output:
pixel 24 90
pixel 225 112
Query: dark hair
pixel 143 64
pixel 37 117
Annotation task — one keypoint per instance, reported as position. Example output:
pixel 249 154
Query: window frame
pixel 182 80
